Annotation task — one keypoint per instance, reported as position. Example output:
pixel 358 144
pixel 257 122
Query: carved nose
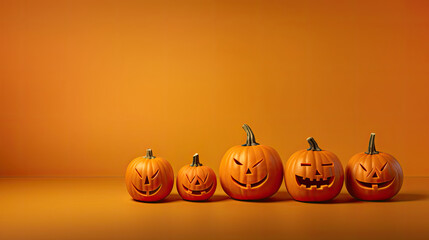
pixel 197 183
pixel 375 175
pixel 248 171
pixel 317 172
pixel 146 181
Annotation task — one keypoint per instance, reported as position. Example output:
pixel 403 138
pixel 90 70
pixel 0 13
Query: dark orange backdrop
pixel 85 86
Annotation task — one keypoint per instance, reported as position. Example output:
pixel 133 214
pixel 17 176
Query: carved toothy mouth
pixel 307 183
pixel 194 192
pixel 147 193
pixel 375 185
pixel 252 185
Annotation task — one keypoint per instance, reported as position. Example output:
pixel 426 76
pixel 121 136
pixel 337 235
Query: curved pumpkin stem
pixel 149 154
pixel 250 141
pixel 371 146
pixel 313 145
pixel 196 161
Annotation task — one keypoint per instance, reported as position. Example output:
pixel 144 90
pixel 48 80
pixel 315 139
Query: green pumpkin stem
pixel 250 141
pixel 371 146
pixel 196 161
pixel 149 154
pixel 313 145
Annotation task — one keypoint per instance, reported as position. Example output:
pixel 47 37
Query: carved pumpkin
pixel 373 175
pixel 313 175
pixel 196 182
pixel 149 178
pixel 251 171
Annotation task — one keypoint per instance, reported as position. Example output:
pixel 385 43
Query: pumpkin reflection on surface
pixel 149 178
pixel 196 182
pixel 373 175
pixel 251 171
pixel 313 175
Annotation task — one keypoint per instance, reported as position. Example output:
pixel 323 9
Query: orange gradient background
pixel 86 86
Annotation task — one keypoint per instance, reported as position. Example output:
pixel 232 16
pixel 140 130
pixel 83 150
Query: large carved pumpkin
pixel 196 182
pixel 149 178
pixel 313 175
pixel 373 175
pixel 251 171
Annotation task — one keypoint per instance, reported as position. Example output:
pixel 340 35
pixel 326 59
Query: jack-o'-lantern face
pixel 373 175
pixel 376 175
pixel 147 183
pixel 197 185
pixel 251 171
pixel 313 175
pixel 149 178
pixel 196 182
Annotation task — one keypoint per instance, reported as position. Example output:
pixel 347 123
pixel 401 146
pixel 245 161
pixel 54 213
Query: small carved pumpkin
pixel 313 175
pixel 149 178
pixel 373 175
pixel 196 182
pixel 251 171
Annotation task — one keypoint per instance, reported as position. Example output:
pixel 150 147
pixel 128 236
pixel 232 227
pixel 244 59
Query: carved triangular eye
pixel 190 180
pixel 156 174
pixel 201 179
pixel 256 164
pixel 363 167
pixel 140 175
pixel 237 162
pixel 383 167
pixel 207 176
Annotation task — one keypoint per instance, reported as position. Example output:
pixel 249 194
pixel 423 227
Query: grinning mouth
pixel 252 185
pixel 375 185
pixel 198 192
pixel 148 193
pixel 318 183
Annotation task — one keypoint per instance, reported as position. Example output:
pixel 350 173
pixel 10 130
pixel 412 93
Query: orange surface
pixel 87 86
pixel 100 208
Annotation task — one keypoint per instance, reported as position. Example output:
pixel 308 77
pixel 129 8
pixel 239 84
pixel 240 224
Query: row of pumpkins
pixel 253 171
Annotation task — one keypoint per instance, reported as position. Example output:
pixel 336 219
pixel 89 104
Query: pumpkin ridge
pixel 360 157
pixel 246 153
pixel 273 157
pixel 265 157
pixel 291 165
pixel 330 156
pixel 299 154
pixel 142 165
pixel 318 158
pixel 249 164
pixel 325 156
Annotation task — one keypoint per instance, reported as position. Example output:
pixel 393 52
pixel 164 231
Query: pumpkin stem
pixel 250 141
pixel 371 147
pixel 313 145
pixel 196 161
pixel 149 154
